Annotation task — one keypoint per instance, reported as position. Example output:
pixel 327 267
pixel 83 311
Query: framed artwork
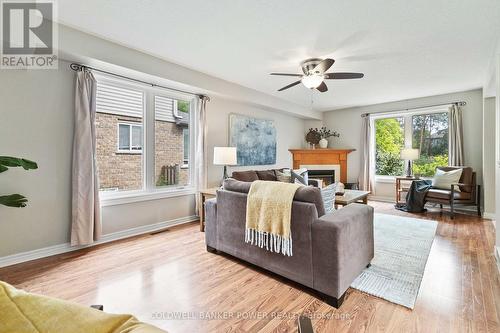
pixel 254 139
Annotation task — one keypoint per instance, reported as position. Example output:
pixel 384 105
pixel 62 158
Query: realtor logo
pixel 28 35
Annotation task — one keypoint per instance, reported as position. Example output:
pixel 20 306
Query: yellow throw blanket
pixel 269 211
pixel 22 312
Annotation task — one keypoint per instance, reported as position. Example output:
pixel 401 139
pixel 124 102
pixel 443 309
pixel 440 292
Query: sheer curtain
pixel 201 147
pixel 86 211
pixel 366 173
pixel 456 136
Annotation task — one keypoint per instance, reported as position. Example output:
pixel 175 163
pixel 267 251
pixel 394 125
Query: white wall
pixel 489 156
pixel 36 122
pixel 497 152
pixel 289 132
pixel 348 123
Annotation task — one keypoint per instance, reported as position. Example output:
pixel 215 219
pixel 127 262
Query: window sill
pixel 385 179
pixel 138 196
pixel 392 179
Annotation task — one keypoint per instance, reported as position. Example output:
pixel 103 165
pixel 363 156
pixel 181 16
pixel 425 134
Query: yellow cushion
pixel 22 312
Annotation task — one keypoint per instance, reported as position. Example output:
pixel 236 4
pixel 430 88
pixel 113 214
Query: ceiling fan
pixel 315 73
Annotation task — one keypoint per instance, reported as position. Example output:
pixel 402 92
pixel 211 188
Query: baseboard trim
pixel 66 247
pixel 490 216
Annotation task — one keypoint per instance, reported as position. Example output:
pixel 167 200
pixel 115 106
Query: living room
pixel 119 138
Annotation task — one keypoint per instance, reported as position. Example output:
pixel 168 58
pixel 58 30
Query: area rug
pixel 402 246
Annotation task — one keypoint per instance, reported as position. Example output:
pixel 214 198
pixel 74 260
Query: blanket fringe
pixel 272 242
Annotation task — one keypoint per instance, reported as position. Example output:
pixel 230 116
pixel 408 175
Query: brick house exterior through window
pixel 121 134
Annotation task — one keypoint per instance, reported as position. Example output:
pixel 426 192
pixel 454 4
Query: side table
pixel 402 185
pixel 204 195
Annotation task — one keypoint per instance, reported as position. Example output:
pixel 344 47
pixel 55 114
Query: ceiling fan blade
pixel 341 76
pixel 322 87
pixel 285 74
pixel 323 66
pixel 289 86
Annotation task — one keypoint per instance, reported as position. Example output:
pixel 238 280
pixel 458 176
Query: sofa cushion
pixel 435 193
pixel 231 184
pixel 26 312
pixel 283 177
pixel 304 193
pixel 266 175
pixel 245 176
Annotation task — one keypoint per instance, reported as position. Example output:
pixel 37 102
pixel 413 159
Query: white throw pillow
pixel 444 179
pixel 328 195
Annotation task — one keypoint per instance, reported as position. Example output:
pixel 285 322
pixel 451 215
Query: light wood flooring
pixel 162 277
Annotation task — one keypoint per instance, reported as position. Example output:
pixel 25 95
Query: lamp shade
pixel 409 154
pixel 225 156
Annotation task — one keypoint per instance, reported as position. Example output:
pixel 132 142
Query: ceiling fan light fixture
pixel 312 81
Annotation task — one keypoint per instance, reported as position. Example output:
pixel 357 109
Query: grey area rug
pixel 402 246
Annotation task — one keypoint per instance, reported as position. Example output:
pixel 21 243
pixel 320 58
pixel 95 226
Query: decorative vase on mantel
pixel 323 143
pixel 320 136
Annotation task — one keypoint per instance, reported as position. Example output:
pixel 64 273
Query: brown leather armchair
pixel 469 191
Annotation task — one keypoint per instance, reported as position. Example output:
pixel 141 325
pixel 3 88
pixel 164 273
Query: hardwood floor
pixel 165 276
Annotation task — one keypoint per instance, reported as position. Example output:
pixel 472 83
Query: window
pixel 430 136
pixel 171 141
pixel 424 130
pixel 119 136
pixel 142 136
pixel 389 135
pixel 129 137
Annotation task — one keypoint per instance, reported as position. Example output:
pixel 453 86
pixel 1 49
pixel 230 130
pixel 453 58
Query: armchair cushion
pixel 441 194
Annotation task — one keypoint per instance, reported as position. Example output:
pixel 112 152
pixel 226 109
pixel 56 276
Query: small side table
pixel 402 185
pixel 204 195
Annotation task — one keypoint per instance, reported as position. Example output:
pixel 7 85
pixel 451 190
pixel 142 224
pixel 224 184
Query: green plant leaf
pixel 8 161
pixel 13 200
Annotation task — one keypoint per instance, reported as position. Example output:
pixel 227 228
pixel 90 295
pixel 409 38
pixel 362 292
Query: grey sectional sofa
pixel 329 251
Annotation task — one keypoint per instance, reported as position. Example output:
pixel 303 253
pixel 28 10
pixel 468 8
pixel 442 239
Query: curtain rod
pixel 78 67
pixel 460 103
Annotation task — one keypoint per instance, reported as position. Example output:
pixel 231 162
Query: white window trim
pixel 130 150
pixel 408 133
pixel 184 164
pixel 149 189
pixel 125 197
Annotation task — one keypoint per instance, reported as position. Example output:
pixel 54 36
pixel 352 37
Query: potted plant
pixel 6 162
pixel 325 134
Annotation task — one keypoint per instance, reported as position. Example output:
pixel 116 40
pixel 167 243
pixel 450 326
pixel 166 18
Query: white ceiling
pixel 406 49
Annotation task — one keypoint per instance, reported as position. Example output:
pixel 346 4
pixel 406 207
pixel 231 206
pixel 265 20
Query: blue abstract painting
pixel 254 139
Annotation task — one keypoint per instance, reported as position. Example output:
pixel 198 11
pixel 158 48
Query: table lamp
pixel 225 156
pixel 409 154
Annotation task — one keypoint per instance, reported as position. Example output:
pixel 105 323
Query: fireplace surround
pixel 322 160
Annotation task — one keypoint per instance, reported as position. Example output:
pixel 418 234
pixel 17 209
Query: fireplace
pixel 324 163
pixel 327 173
pixel 327 176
